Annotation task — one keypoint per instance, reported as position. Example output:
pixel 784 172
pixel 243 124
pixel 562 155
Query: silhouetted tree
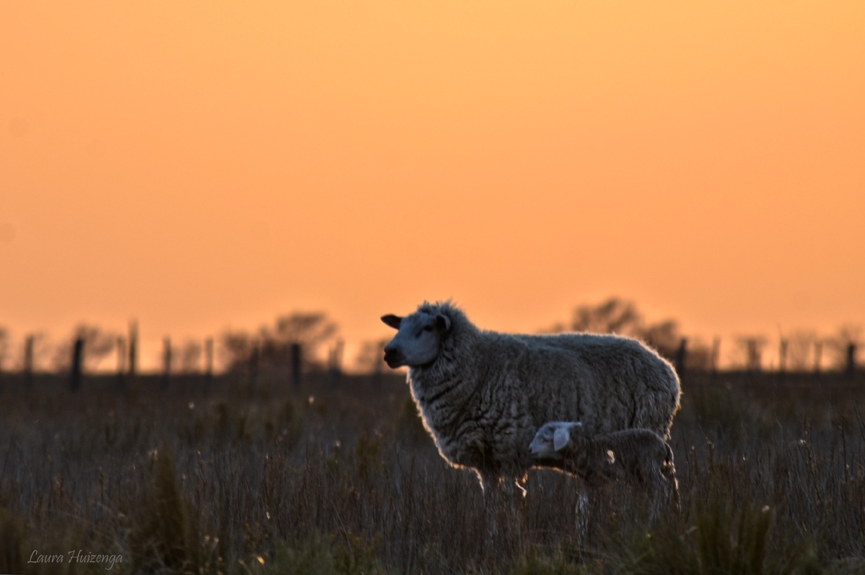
pixel 235 349
pixel 839 344
pixel 190 355
pixel 309 330
pixel 800 344
pixel 611 316
pixel 750 351
pixel 664 336
pixel 370 357
pixel 619 316
pixel 97 344
pixel 699 355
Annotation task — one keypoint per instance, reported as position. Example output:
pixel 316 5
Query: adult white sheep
pixel 639 457
pixel 483 395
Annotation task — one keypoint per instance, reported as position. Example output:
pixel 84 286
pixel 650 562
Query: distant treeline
pixel 310 342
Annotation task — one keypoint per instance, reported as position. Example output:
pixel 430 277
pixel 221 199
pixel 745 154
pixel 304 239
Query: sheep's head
pixel 417 340
pixel 552 437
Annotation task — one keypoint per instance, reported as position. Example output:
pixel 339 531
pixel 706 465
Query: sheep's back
pixel 607 382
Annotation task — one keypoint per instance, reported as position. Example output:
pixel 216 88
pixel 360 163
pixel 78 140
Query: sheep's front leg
pixel 583 508
pixel 491 485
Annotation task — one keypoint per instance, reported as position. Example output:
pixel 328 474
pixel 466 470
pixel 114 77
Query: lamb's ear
pixel 561 437
pixel 443 323
pixel 391 320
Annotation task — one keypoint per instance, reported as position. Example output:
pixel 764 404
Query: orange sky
pixel 203 164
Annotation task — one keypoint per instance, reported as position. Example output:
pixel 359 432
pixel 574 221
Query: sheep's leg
pixel 515 494
pixel 522 490
pixel 583 508
pixel 655 500
pixel 492 488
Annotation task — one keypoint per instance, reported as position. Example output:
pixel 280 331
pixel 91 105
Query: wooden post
pixel 254 357
pixel 716 352
pixel 77 358
pixel 296 362
pixel 28 362
pixel 850 371
pixel 121 362
pixel 166 361
pixel 133 347
pixel 755 356
pixel 782 359
pixel 208 361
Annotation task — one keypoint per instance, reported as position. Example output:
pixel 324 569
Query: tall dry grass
pixel 340 477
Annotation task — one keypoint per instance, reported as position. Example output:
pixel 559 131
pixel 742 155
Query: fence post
pixel 755 356
pixel 296 361
pixel 121 362
pixel 716 350
pixel 166 361
pixel 335 362
pixel 28 362
pixel 782 359
pixel 851 360
pixel 77 357
pixel 133 346
pixel 253 367
pixel 208 362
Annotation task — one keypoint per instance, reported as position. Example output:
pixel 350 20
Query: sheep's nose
pixel 392 356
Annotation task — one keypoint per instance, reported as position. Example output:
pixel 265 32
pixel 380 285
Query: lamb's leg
pixel 657 489
pixel 583 508
pixel 672 487
pixel 664 492
pixel 668 470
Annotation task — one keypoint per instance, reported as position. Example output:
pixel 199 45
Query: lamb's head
pixel 552 437
pixel 418 337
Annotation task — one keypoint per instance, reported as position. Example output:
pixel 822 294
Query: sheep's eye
pixel 428 328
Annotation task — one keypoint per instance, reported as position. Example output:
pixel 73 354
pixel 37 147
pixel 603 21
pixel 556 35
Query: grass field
pixel 340 477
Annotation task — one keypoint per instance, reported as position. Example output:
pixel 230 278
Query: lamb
pixel 636 456
pixel 482 395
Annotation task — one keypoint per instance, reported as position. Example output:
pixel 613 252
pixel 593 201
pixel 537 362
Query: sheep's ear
pixel 561 437
pixel 443 323
pixel 391 320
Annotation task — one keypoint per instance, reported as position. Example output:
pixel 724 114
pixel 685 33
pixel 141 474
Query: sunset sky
pixel 200 165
